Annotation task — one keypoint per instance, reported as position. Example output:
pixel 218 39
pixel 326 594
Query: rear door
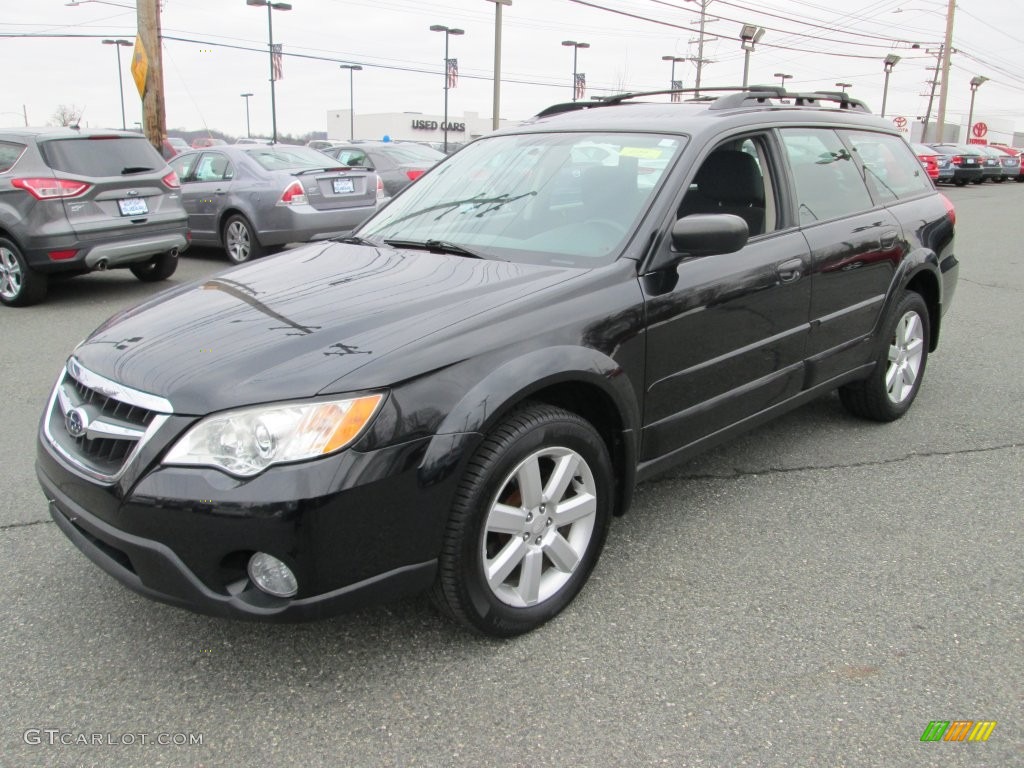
pixel 126 190
pixel 855 246
pixel 208 192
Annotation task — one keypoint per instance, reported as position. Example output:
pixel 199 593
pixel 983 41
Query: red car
pixel 929 159
pixel 203 142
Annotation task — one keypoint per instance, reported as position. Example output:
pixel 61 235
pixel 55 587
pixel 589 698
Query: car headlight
pixel 246 441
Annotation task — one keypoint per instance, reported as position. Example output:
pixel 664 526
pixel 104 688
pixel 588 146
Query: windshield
pixel 569 199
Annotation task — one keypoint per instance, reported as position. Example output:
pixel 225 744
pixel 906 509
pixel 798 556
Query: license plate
pixel 133 206
pixel 341 186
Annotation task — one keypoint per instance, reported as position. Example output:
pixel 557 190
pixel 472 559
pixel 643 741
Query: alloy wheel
pixel 905 354
pixel 10 274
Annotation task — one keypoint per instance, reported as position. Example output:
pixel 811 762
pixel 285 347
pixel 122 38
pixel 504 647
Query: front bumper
pixel 355 528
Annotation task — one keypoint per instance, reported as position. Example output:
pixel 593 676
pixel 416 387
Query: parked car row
pixel 961 164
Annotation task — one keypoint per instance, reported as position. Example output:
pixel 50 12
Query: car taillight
pixel 956 160
pixel 950 210
pixel 380 188
pixel 51 189
pixel 171 180
pixel 294 194
pixel 62 255
pixel 413 175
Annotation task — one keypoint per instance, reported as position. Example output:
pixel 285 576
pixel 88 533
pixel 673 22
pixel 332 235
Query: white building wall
pixel 409 126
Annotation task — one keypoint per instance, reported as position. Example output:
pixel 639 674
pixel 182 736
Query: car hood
pixel 292 325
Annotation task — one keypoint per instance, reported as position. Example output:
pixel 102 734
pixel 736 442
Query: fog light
pixel 272 576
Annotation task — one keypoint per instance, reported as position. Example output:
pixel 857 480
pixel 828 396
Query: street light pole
pixel 575 52
pixel 118 44
pixel 844 86
pixel 271 7
pixel 448 31
pixel 672 82
pixel 976 81
pixel 248 131
pixel 782 78
pixel 497 60
pixel 890 61
pixel 351 99
pixel 749 36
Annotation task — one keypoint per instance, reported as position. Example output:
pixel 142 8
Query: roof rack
pixel 737 96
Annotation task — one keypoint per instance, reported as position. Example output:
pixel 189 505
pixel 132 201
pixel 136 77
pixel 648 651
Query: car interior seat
pixel 729 181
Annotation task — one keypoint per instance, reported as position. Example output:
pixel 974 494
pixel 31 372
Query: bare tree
pixel 66 115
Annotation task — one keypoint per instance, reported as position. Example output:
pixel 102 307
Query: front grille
pixel 98 424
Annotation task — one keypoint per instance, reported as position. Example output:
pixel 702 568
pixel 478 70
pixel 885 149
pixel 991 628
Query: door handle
pixel 790 270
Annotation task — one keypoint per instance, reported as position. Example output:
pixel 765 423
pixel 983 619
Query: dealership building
pixel 409 126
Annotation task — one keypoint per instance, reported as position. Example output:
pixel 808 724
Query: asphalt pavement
pixel 814 593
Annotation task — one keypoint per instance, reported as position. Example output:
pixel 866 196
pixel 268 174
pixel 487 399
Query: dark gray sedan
pixel 252 199
pixel 398 164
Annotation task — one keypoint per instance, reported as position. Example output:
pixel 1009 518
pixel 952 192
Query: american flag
pixel 580 87
pixel 677 85
pixel 453 72
pixel 276 63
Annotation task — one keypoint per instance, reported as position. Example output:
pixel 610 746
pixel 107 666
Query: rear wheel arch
pixel 926 284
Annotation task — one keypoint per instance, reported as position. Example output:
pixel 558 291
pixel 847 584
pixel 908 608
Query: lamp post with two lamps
pixel 749 36
pixel 448 32
pixel 575 51
pixel 844 86
pixel 672 82
pixel 118 45
pixel 351 98
pixel 271 7
pixel 782 78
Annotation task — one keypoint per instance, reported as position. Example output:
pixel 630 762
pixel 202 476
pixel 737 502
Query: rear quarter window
pixel 9 153
pixel 890 166
pixel 117 156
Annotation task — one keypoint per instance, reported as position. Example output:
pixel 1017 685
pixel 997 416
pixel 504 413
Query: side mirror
pixel 703 234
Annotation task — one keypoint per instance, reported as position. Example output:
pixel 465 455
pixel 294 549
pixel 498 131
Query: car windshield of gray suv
pixel 570 199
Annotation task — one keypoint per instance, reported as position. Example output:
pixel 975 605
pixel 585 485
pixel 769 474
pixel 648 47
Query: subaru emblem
pixel 76 422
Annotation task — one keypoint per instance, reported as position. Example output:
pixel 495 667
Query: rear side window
pixel 828 183
pixel 890 166
pixel 288 158
pixel 9 154
pixel 116 156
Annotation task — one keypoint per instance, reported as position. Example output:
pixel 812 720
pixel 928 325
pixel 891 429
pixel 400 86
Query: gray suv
pixel 73 201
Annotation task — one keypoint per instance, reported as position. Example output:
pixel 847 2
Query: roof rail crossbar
pixel 736 96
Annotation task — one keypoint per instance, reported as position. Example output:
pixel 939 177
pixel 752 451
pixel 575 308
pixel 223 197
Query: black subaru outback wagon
pixel 458 398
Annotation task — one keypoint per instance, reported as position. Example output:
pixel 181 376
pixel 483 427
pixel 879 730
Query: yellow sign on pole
pixel 140 66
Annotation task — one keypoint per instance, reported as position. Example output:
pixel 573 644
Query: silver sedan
pixel 252 199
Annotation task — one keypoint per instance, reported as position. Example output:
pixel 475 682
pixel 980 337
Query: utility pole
pixel 947 49
pixel 931 98
pixel 154 118
pixel 700 45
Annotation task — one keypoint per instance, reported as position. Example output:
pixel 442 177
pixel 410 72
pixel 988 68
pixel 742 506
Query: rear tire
pixel 528 523
pixel 893 385
pixel 158 268
pixel 240 242
pixel 20 285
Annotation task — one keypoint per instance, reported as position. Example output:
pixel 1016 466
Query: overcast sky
pixel 204 79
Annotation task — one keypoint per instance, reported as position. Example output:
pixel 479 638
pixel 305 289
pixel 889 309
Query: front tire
pixel 893 385
pixel 528 524
pixel 240 240
pixel 156 269
pixel 20 285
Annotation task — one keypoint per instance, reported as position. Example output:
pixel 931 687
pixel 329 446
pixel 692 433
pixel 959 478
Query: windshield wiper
pixel 135 169
pixel 435 246
pixel 356 240
pixel 476 202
